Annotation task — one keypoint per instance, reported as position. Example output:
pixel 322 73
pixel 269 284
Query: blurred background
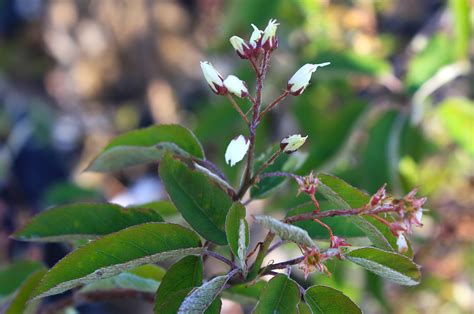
pixel 395 106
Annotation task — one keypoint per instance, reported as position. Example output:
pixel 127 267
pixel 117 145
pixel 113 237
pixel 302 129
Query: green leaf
pixel 215 307
pixel 285 231
pixel 144 278
pixel 462 26
pixel 12 276
pixel 144 146
pixel 177 283
pixel 83 221
pixel 19 303
pixel 344 63
pixel 437 52
pixel 326 300
pixel 199 299
pixel 164 208
pixel 246 292
pixel 345 196
pixel 203 204
pixel 237 230
pixel 281 295
pixel 116 252
pixel 285 162
pixel 393 266
pixel 457 116
pixel 303 308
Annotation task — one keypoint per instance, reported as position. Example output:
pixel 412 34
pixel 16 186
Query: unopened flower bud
pixel 402 243
pixel 236 150
pixel 377 197
pixel 236 86
pixel 337 242
pixel 292 143
pixel 255 38
pixel 213 78
pixel 269 39
pixel 240 46
pixel 300 80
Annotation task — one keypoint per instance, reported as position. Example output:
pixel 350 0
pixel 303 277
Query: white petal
pixel 211 75
pixel 236 150
pixel 256 34
pixel 238 44
pixel 270 30
pixel 302 77
pixel 402 243
pixel 419 214
pixel 236 86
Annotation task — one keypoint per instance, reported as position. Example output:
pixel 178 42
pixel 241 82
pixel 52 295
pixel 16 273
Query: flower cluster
pixel 261 43
pixel 408 210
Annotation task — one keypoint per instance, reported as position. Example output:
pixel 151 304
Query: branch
pixel 236 106
pixel 221 258
pixel 339 212
pixel 275 103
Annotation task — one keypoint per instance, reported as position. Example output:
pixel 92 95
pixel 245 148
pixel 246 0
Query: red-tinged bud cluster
pixel 377 197
pixel 308 184
pixel 408 211
pixel 337 242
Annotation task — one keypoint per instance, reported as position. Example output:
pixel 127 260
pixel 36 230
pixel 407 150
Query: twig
pixel 221 258
pixel 274 103
pixel 236 106
pixel 339 212
pixel 279 174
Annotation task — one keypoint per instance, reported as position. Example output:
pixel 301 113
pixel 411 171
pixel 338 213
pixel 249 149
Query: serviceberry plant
pixel 118 248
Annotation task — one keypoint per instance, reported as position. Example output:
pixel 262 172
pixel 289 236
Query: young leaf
pixel 177 283
pixel 345 196
pixel 83 221
pixel 395 267
pixel 140 146
pixel 203 204
pixel 12 276
pixel 326 300
pixel 237 231
pixel 285 231
pixel 281 295
pixel 199 299
pixel 145 278
pixel 19 303
pixel 116 252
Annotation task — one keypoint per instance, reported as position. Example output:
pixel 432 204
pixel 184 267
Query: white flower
pixel 213 78
pixel 236 150
pixel 402 243
pixel 240 46
pixel 269 39
pixel 419 215
pixel 236 86
pixel 255 37
pixel 300 80
pixel 291 143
